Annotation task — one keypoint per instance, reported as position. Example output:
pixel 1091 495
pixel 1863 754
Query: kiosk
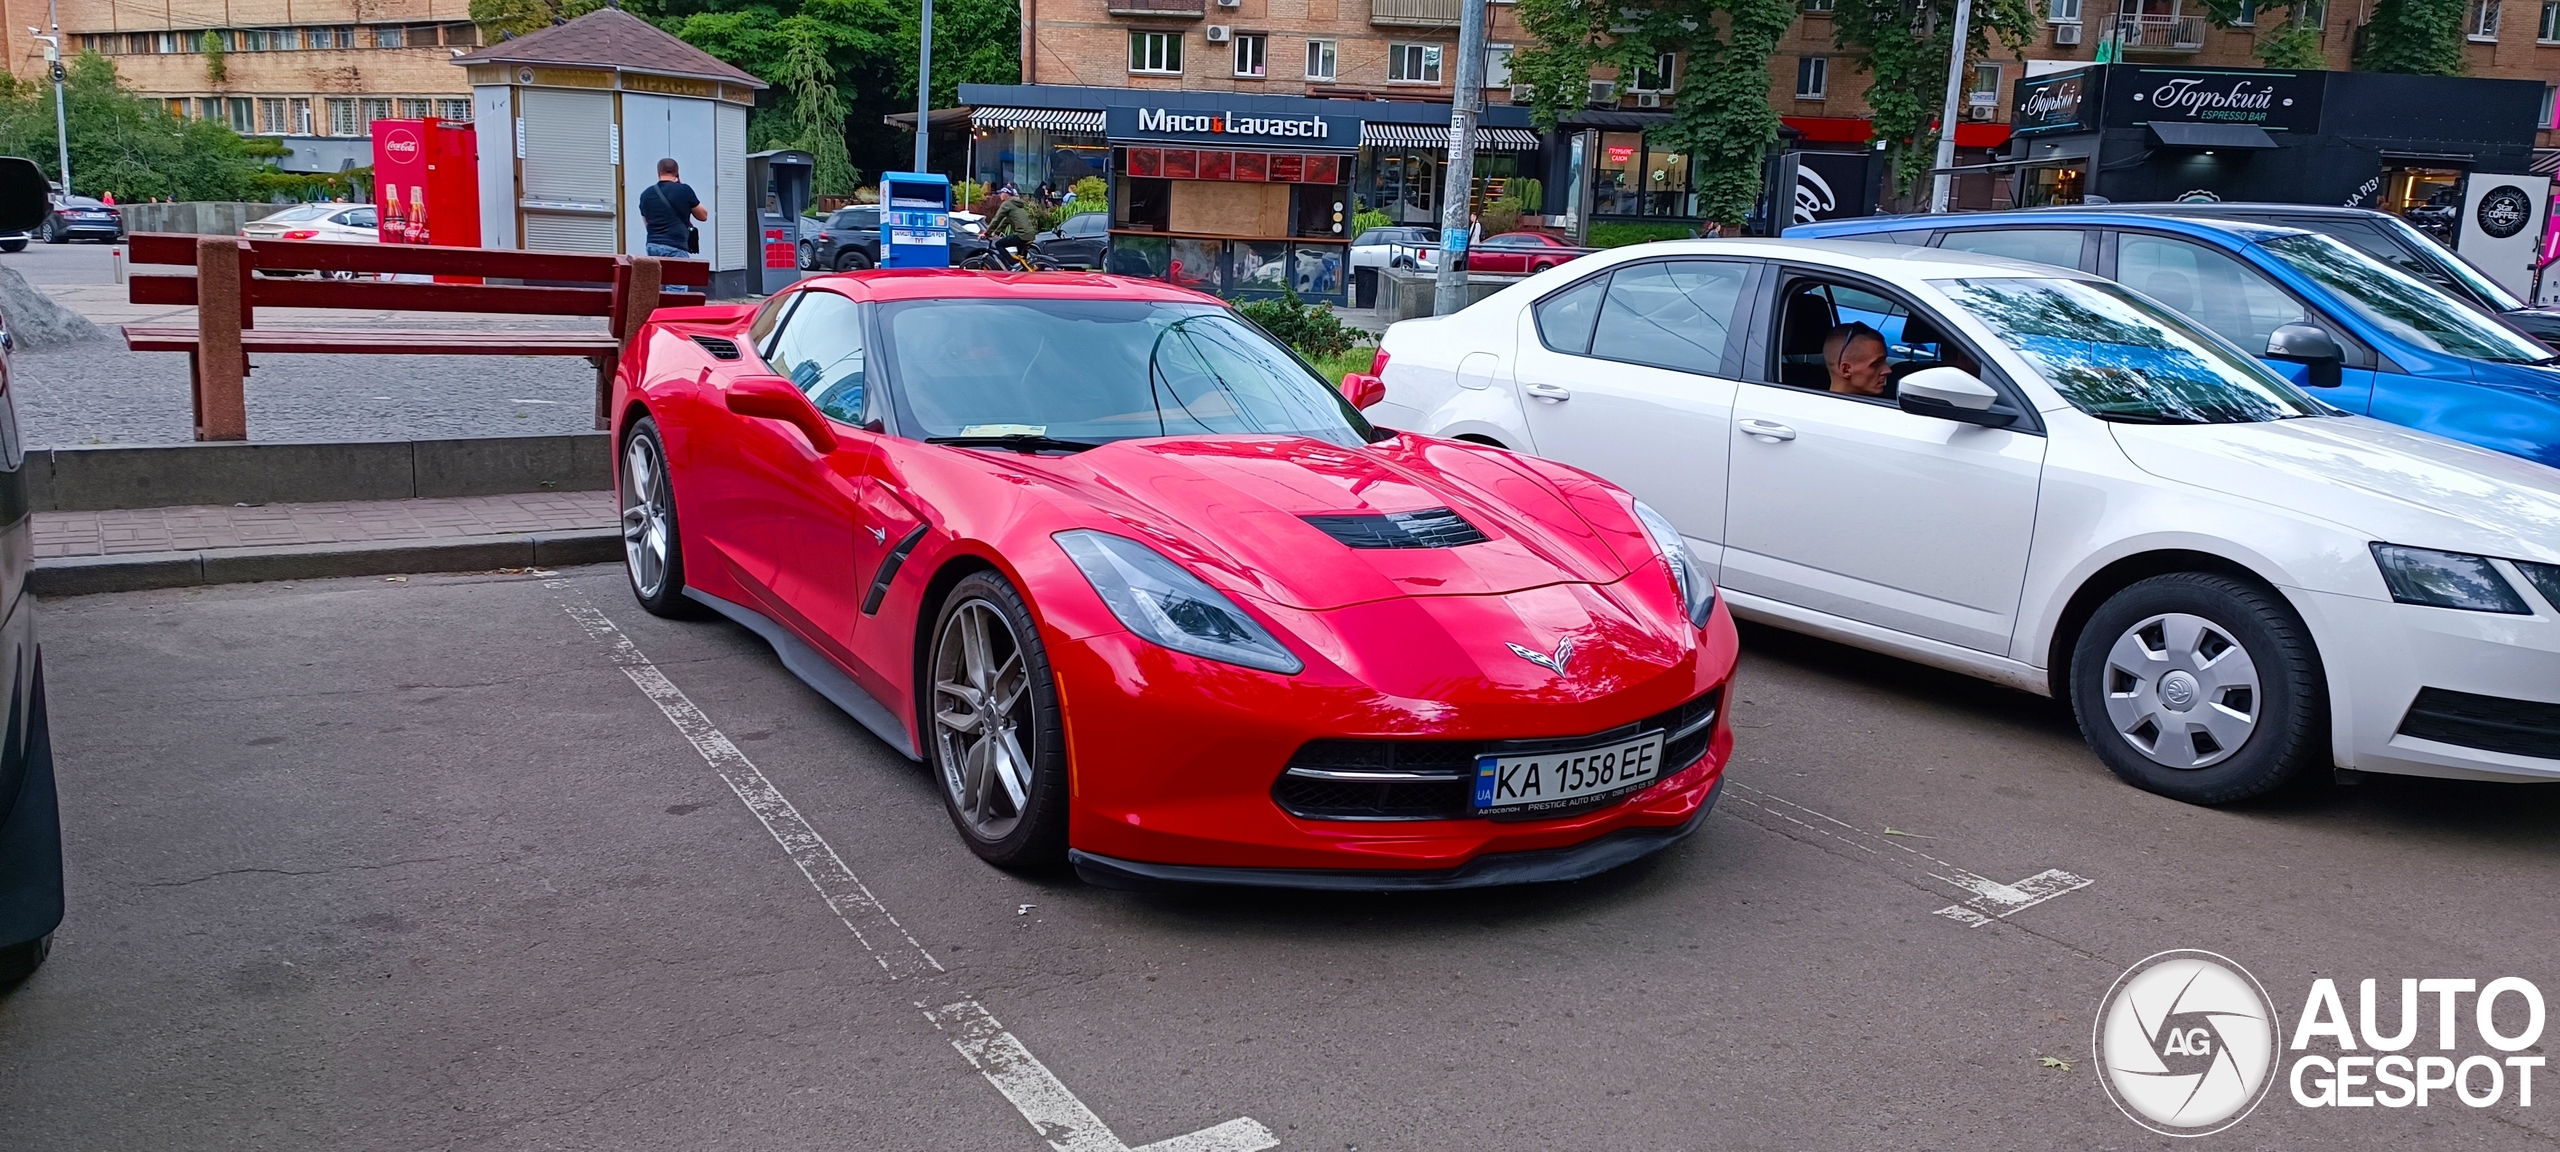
pixel 915 221
pixel 784 178
pixel 426 182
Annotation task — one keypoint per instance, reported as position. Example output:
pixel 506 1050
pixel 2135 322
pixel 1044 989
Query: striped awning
pixel 1376 135
pixel 2546 161
pixel 1053 119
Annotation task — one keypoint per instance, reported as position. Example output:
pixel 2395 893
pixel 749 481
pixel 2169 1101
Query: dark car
pixel 1078 241
pixel 82 218
pixel 849 241
pixel 30 821
pixel 2387 238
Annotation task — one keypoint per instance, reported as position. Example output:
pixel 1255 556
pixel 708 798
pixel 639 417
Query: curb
pixel 133 572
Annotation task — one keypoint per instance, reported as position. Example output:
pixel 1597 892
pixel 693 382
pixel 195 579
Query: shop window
pixel 391 36
pixel 1497 66
pixel 1657 78
pixel 1813 77
pixel 2549 33
pixel 2062 11
pixel 1156 52
pixel 1144 204
pixel 1321 55
pixel 344 118
pixel 1985 89
pixel 1413 63
pixel 456 110
pixel 1250 56
pixel 2206 286
pixel 2483 25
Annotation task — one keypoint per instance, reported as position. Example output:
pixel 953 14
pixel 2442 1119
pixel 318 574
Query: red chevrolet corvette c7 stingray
pixel 1143 592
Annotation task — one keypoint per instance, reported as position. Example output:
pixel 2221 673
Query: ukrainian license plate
pixel 1531 781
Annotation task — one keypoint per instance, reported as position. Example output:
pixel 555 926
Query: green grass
pixel 1336 367
pixel 1615 235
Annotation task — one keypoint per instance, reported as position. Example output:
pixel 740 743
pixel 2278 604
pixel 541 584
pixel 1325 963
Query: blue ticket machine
pixel 915 221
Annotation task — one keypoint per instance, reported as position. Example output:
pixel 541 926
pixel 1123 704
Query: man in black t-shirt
pixel 666 206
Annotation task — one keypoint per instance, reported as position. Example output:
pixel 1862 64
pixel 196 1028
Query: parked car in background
pixel 1519 253
pixel 82 218
pixel 1401 246
pixel 2359 334
pixel 849 241
pixel 2387 238
pixel 2050 482
pixel 1078 241
pixel 344 223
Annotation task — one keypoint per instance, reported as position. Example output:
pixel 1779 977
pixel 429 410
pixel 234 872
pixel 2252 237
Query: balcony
pixel 1413 13
pixel 2157 35
pixel 1161 9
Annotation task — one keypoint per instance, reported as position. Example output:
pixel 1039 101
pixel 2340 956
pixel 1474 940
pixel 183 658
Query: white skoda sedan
pixel 2046 480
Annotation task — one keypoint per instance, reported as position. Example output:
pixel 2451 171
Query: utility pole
pixel 924 82
pixel 1941 181
pixel 1458 189
pixel 53 64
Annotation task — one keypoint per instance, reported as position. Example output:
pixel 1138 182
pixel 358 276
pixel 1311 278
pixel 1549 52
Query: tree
pixel 1720 117
pixel 502 18
pixel 121 142
pixel 1902 45
pixel 2414 36
pixel 815 106
pixel 2294 43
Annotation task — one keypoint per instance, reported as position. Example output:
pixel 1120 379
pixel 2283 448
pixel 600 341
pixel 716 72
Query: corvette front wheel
pixel 652 553
pixel 997 746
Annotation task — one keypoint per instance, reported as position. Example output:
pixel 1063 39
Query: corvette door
pixel 1630 374
pixel 796 511
pixel 1851 506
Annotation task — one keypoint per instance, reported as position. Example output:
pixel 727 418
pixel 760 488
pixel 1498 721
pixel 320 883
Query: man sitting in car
pixel 1855 354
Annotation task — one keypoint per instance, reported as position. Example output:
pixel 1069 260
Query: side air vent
pixel 1429 528
pixel 719 348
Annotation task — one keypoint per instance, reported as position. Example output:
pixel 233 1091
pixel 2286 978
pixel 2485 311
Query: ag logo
pixel 2185 1043
pixel 2504 211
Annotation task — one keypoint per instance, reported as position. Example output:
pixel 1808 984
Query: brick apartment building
pixel 314 70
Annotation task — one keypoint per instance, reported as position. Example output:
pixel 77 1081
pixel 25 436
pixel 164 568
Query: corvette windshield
pixel 2405 307
pixel 2118 358
pixel 1100 370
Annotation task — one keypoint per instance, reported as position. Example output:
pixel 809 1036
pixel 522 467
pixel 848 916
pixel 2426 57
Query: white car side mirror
pixel 1952 394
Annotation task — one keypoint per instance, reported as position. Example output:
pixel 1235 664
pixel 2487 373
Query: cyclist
pixel 1012 230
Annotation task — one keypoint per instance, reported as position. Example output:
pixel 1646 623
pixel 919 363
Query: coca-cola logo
pixel 402 146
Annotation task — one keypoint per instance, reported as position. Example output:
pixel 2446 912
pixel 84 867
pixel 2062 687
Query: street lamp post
pixel 1940 181
pixel 1449 293
pixel 924 81
pixel 61 125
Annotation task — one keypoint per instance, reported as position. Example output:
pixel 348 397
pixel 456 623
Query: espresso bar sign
pixel 1226 126
pixel 2048 105
pixel 2275 101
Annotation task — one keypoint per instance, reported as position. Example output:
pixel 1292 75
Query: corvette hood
pixel 2393 484
pixel 1236 509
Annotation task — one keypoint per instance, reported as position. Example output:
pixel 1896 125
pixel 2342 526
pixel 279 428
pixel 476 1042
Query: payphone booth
pixel 782 179
pixel 915 221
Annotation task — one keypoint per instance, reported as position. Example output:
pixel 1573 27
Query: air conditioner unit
pixel 1230 3
pixel 1604 91
pixel 1648 99
pixel 1979 113
pixel 1219 33
pixel 2064 35
pixel 1523 93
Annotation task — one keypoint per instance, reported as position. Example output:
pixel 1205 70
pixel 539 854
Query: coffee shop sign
pixel 2188 97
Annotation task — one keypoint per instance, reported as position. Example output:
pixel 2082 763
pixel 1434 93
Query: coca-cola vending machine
pixel 426 182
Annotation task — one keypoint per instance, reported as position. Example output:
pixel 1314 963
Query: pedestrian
pixel 666 206
pixel 1475 230
pixel 109 200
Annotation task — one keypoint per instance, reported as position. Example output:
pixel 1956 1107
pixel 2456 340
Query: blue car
pixel 2361 335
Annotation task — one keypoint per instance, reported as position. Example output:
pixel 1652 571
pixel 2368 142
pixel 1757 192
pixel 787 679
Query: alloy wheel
pixel 646 531
pixel 2181 691
pixel 982 713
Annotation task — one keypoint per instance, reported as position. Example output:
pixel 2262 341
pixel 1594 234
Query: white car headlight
pixel 1697 593
pixel 1155 598
pixel 2446 580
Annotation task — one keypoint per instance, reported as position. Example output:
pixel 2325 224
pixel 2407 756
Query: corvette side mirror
pixel 773 398
pixel 1363 389
pixel 1952 394
pixel 2312 347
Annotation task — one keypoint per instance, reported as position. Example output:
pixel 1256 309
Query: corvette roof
pixel 889 284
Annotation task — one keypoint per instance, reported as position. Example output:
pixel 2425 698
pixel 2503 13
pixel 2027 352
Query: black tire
pixel 1035 835
pixel 19 961
pixel 17 245
pixel 852 260
pixel 650 530
pixel 2284 709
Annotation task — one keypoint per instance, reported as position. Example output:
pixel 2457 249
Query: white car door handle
pixel 1768 430
pixel 1547 392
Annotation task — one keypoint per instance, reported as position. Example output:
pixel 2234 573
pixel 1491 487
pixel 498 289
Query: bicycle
pixel 997 259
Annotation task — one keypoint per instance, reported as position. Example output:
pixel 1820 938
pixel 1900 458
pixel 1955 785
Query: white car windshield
pixel 2118 357
pixel 2402 305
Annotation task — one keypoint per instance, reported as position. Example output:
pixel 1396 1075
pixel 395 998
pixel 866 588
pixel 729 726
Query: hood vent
pixel 1429 528
pixel 719 348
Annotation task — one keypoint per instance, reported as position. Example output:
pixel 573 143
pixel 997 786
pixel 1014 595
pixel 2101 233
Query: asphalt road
pixel 411 865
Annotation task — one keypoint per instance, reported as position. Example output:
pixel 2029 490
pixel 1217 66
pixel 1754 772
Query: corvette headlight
pixel 1155 598
pixel 2446 580
pixel 1697 592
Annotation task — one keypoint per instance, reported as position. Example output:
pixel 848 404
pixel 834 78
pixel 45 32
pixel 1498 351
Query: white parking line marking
pixel 1989 900
pixel 1053 1111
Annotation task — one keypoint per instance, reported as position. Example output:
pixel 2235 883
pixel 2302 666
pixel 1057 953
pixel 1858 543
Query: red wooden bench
pixel 227 293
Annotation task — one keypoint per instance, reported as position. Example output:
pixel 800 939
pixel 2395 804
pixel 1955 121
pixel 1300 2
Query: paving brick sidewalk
pixel 198 529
